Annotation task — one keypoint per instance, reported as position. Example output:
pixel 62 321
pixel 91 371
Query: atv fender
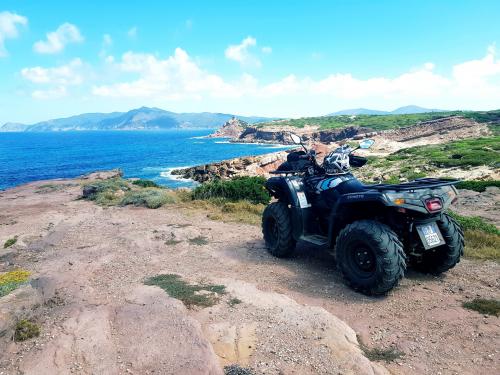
pixel 359 205
pixel 291 191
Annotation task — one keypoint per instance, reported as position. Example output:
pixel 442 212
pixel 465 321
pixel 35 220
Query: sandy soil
pixel 296 315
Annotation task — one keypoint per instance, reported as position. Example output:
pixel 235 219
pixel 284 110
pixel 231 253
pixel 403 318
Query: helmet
pixel 337 161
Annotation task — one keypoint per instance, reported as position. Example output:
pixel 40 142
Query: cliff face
pixel 253 134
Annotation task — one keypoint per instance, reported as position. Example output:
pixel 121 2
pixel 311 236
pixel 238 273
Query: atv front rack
pixel 419 183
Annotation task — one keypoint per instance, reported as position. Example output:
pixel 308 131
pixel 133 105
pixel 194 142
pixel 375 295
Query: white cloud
pixel 56 40
pixel 9 28
pixel 240 53
pixel 175 77
pixel 267 49
pixel 69 74
pixel 132 32
pixel 178 77
pixel 142 78
pixel 52 83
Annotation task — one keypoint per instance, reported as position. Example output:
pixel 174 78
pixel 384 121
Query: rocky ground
pixel 292 316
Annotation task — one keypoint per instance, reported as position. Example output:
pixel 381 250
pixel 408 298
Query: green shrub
pixel 239 188
pixel 147 197
pixel 10 242
pixel 25 330
pixel 146 183
pixel 475 223
pixel 477 185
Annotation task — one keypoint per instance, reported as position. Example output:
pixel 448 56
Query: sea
pixel 26 157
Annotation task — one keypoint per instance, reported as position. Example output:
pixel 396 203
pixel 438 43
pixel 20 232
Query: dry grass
pixel 380 354
pixel 235 212
pixel 481 245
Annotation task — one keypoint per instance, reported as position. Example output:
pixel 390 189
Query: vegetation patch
pixel 203 295
pixel 234 301
pixel 10 281
pixel 484 306
pixel 25 330
pixel 463 153
pixel 380 354
pixel 482 239
pixel 148 197
pixel 145 183
pixel 228 211
pixel 10 242
pixel 477 185
pixel 198 240
pixel 238 370
pixel 375 122
pixel 240 188
pixel 172 242
pixel 475 223
pixel 119 192
pixel 481 245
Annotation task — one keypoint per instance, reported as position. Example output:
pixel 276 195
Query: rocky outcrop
pixel 231 129
pixel 248 166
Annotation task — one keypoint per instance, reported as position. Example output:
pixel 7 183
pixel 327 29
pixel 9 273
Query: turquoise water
pixel 26 157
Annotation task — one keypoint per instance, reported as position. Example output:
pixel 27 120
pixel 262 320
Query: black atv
pixel 374 231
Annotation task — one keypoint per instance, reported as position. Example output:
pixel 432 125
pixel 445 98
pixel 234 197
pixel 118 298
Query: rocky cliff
pixel 231 129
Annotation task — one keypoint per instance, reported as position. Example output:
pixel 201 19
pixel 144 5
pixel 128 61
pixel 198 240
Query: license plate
pixel 430 235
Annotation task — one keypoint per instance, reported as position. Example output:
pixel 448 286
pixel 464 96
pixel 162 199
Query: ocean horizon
pixel 27 157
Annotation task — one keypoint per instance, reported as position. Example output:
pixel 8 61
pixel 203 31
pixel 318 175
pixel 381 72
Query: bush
pixel 146 183
pixel 475 223
pixel 239 188
pixel 25 330
pixel 147 197
pixel 477 185
pixel 10 242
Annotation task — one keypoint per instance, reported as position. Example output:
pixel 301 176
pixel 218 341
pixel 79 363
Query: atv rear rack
pixel 419 183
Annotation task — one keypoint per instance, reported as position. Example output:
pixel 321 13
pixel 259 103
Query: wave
pixel 167 173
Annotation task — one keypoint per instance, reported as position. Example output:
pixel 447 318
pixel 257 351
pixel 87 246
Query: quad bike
pixel 373 231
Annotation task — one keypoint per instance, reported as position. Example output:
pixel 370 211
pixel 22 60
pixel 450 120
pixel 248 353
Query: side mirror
pixel 366 143
pixel 296 139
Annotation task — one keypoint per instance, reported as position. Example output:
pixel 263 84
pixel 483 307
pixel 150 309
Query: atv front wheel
pixel 440 259
pixel 277 230
pixel 370 256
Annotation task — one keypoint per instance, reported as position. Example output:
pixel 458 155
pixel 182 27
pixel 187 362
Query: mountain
pixel 136 119
pixel 13 127
pixel 358 111
pixel 409 109
pixel 413 109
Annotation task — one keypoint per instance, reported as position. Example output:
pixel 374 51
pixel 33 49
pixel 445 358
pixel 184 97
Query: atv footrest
pixel 315 239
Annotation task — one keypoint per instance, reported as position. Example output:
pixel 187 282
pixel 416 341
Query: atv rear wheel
pixel 370 256
pixel 277 230
pixel 445 257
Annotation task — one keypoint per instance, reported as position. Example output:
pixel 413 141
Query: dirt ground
pixel 295 316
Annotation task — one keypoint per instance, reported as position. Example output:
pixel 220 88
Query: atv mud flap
pixel 300 207
pixel 430 235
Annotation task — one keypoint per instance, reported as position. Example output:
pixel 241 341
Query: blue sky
pixel 275 58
